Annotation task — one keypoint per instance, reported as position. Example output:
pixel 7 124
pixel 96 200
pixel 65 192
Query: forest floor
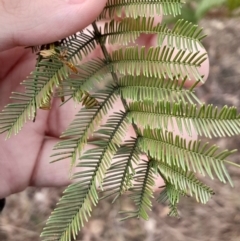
pixel 219 220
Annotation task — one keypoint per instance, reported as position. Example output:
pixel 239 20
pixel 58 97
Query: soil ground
pixel 25 213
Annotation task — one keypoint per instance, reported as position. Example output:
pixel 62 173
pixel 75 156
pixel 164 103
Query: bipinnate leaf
pixel 138 88
pixel 184 35
pixel 175 151
pixel 149 84
pixel 136 8
pixel 204 120
pixel 171 195
pixel 119 177
pixel 76 135
pixel 142 191
pixel 185 181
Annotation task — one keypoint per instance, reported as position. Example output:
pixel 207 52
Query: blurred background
pixel 26 213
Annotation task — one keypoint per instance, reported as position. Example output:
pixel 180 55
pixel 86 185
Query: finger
pixel 27 23
pixel 46 174
pixel 29 171
pixel 16 64
pixel 18 155
pixel 57 174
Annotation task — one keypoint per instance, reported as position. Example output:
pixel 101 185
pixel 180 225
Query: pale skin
pixel 24 158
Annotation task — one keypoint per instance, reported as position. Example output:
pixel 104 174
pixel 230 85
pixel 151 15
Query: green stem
pixel 109 60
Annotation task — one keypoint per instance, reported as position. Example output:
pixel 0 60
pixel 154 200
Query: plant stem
pixel 109 60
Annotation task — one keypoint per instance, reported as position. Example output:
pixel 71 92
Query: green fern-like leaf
pixel 89 74
pixel 175 151
pixel 184 35
pixel 142 192
pixel 172 195
pixel 185 181
pixel 132 62
pixel 149 83
pixel 38 87
pixel 114 130
pixel 136 8
pixel 80 197
pixel 119 177
pixel 139 88
pixel 157 62
pixel 75 137
pixel 40 84
pixel 79 46
pixel 75 206
pixel 206 120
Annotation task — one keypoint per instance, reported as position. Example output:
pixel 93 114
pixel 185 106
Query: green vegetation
pixel 150 85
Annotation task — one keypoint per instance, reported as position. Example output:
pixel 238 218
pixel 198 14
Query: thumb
pixel 27 22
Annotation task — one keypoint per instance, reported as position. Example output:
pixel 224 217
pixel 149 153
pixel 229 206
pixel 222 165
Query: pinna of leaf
pixel 87 100
pixel 150 84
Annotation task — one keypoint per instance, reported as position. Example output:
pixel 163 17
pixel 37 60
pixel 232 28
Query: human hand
pixel 24 158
